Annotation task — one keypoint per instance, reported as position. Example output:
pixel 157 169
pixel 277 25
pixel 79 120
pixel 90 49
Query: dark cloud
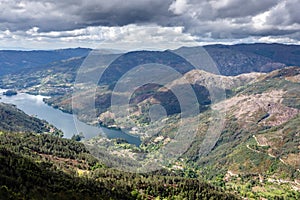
pixel 66 15
pixel 47 15
pixel 286 13
pixel 242 8
pixel 119 13
pixel 235 19
pixel 231 19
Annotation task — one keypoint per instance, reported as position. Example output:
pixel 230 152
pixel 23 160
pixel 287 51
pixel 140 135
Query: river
pixel 69 124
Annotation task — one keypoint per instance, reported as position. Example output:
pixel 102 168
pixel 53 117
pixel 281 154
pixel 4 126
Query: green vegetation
pixel 256 156
pixel 15 120
pixel 48 167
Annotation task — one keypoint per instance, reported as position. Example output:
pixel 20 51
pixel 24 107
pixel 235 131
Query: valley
pixel 256 154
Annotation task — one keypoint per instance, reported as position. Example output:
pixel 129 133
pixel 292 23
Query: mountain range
pixel 257 152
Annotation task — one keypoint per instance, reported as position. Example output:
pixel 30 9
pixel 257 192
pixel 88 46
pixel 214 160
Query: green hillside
pixel 48 167
pixel 258 152
pixel 14 120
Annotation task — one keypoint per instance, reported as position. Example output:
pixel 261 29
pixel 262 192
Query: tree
pixel 77 137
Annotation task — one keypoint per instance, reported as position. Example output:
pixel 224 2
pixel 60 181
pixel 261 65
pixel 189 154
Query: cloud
pixel 102 20
pixel 51 15
pixel 285 13
pixel 237 19
pixel 129 37
pixel 119 13
pixel 241 8
pixel 179 7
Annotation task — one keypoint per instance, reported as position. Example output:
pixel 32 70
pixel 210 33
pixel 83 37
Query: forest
pixel 43 166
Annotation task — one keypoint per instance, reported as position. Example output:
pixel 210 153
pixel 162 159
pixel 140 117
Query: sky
pixel 145 24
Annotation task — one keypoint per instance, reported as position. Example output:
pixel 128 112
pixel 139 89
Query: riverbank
pixel 69 124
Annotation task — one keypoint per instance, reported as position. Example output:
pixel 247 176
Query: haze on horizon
pixel 147 24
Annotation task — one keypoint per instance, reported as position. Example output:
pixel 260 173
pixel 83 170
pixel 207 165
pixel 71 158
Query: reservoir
pixel 67 123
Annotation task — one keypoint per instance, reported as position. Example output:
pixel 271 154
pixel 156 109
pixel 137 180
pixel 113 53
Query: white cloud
pixel 178 7
pixel 130 37
pixel 272 39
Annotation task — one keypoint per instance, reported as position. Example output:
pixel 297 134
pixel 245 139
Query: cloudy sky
pixel 145 24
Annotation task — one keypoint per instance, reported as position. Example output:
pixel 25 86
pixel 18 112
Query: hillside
pixel 48 167
pixel 245 58
pixel 258 151
pixel 14 120
pixel 287 54
pixel 150 94
pixel 37 165
pixel 260 143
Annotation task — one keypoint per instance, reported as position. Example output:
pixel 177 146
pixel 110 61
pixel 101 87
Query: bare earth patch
pixel 293 160
pixel 295 79
pixel 250 108
pixel 261 140
pixel 212 80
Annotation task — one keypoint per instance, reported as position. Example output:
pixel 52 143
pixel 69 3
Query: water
pixel 34 105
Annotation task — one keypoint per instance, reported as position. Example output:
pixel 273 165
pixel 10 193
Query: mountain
pixel 287 54
pixel 260 138
pixel 128 61
pixel 245 58
pixel 257 152
pixel 51 79
pixel 259 144
pixel 52 72
pixel 14 61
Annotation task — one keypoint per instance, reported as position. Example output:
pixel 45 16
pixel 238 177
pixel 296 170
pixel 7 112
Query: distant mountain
pixel 230 59
pixel 245 58
pixel 53 72
pixel 287 54
pixel 13 61
pixel 128 61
